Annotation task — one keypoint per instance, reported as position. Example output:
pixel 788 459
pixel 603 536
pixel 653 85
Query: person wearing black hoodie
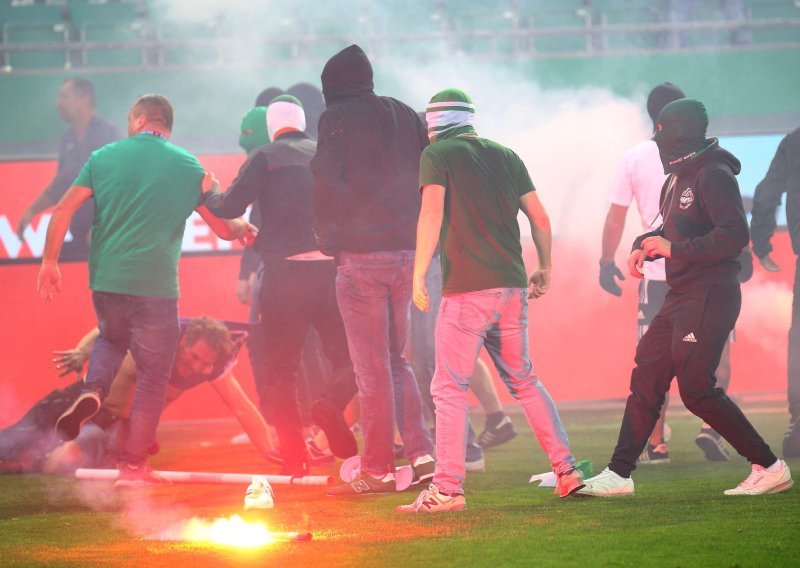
pixel 703 233
pixel 782 177
pixel 365 212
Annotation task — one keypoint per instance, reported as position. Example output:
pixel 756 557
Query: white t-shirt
pixel 640 176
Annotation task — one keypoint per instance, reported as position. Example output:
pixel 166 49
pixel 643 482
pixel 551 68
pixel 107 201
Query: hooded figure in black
pixel 367 162
pixel 704 232
pixel 366 204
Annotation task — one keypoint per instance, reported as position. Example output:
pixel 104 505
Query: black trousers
pixel 296 295
pixel 685 341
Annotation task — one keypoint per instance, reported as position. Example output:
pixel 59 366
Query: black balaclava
pixel 265 97
pixel 661 96
pixel 347 73
pixel 313 104
pixel 681 133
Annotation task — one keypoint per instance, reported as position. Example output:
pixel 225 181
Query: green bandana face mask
pixel 449 114
pixel 254 129
pixel 681 133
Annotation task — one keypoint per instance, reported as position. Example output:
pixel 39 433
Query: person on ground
pixel 144 189
pixel 206 354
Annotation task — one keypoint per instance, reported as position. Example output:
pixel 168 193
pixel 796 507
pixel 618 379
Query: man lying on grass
pixel 206 354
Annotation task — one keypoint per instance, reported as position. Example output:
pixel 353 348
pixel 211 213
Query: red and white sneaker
pixel 761 480
pixel 431 501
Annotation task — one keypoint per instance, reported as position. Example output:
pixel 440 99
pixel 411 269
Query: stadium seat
pixel 103 22
pixel 627 13
pixel 787 10
pixel 29 23
pixel 543 15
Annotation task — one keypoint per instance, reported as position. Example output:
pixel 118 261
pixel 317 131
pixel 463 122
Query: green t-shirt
pixel 483 183
pixel 144 190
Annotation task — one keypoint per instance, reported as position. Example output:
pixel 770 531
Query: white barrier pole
pixel 206 477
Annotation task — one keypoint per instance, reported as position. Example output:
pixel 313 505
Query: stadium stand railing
pixel 38 35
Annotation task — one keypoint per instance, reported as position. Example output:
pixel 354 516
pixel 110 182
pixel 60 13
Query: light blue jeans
pixel 374 295
pixel 498 319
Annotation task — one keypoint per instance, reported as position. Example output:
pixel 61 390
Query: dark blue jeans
pixel 794 350
pixel 374 294
pixel 149 328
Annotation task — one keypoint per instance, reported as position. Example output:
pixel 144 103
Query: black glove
pixel 608 271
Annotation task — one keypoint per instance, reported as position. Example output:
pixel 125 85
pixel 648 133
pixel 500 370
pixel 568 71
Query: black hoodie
pixel 704 220
pixel 367 164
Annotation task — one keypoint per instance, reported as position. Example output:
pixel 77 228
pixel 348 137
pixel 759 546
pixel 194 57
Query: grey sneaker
pixel 363 484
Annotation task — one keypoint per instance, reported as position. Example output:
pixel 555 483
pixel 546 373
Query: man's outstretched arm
pixel 49 280
pixel 230 391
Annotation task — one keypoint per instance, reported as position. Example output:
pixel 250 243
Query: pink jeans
pixel 498 319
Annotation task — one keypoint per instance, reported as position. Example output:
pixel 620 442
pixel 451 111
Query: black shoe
pixel 68 425
pixel 340 438
pixel 364 484
pixel 712 445
pixel 791 442
pixel 498 433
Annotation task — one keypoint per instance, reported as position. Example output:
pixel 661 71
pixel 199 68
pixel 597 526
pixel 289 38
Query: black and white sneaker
pixel 712 445
pixel 654 455
pixel 69 424
pixel 497 433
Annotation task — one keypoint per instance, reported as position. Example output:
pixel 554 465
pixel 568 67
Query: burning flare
pixel 232 531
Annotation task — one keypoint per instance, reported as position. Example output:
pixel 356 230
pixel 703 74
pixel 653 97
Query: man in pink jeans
pixel 472 190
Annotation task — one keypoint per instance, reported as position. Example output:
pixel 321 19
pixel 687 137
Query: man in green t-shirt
pixel 144 189
pixel 472 189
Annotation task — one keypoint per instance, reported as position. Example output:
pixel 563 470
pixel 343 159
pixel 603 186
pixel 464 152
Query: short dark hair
pixel 155 107
pixel 83 87
pixel 213 332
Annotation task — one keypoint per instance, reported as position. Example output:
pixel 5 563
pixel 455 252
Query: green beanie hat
pixel 681 133
pixel 449 114
pixel 254 129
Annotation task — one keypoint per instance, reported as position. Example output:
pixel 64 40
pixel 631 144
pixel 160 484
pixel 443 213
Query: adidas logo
pixel 690 338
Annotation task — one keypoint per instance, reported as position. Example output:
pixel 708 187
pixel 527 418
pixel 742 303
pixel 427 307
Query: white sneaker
pixel 761 481
pixel 259 494
pixel 607 484
pixel 478 465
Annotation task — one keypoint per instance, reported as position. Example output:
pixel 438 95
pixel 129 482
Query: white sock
pixel 775 467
